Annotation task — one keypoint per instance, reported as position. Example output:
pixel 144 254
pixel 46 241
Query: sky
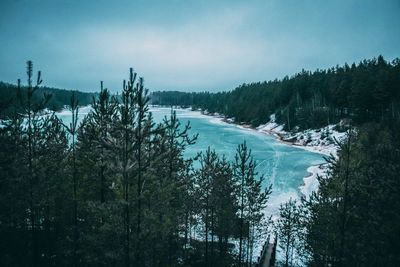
pixel 189 45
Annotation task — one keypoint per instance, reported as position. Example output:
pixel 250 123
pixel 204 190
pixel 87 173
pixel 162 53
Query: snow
pixel 83 110
pixel 315 140
pixel 271 127
pixel 324 141
pixel 311 183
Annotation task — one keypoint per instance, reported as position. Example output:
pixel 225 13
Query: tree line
pixel 9 100
pixel 365 92
pixel 116 190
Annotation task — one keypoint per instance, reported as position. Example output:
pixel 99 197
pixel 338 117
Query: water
pixel 283 166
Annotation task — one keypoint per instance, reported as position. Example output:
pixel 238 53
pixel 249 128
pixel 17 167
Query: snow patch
pixel 311 183
pixel 321 140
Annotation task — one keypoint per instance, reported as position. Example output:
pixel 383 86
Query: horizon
pixel 116 92
pixel 190 47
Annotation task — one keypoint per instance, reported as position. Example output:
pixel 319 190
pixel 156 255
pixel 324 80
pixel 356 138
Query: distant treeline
pixel 367 91
pixel 10 100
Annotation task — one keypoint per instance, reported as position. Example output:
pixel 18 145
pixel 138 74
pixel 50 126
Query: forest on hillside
pixel 115 190
pixel 55 99
pixel 365 92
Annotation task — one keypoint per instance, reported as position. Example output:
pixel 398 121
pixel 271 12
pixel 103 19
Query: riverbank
pixel 322 141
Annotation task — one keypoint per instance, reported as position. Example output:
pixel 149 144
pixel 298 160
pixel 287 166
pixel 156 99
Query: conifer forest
pixel 115 190
pixel 249 134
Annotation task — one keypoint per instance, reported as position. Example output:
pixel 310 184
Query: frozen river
pixel 283 165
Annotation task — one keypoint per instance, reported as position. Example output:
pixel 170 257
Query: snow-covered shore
pixel 310 182
pixel 315 140
pixel 322 141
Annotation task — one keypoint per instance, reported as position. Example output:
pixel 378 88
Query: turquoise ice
pixel 284 166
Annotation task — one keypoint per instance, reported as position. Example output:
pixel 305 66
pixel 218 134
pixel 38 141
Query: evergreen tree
pixel 117 190
pixel 252 200
pixel 244 170
pixel 208 163
pixel 287 230
pixel 73 130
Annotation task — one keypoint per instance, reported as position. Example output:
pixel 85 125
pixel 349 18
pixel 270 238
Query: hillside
pixel 365 92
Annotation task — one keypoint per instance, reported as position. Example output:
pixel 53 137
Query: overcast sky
pixel 189 45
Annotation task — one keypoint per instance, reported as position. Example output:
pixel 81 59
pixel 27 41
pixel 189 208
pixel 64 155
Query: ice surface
pixel 291 169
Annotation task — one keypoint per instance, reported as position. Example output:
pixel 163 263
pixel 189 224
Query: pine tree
pixel 98 181
pixel 208 162
pixel 224 204
pixel 104 109
pixel 73 130
pixel 125 147
pixel 244 170
pixel 257 203
pixel 287 230
pixel 142 108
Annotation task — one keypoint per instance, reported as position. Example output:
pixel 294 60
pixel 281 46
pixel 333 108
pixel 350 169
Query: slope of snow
pixel 324 141
pixel 311 183
pixel 316 140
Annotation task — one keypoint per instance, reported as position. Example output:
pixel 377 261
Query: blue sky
pixel 189 45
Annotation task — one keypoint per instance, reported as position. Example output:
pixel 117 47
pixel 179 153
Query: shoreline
pixel 310 181
pixel 315 145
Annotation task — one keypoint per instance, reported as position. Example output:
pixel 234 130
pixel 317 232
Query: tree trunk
pixel 126 196
pixel 345 196
pixel 30 169
pixel 74 174
pixel 206 232
pixel 212 236
pixel 289 237
pixel 241 220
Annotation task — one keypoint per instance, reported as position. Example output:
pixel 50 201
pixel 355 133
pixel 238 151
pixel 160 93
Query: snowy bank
pixel 322 141
pixel 315 140
pixel 311 183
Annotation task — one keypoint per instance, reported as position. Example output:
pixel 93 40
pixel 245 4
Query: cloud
pixel 192 55
pixel 177 45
